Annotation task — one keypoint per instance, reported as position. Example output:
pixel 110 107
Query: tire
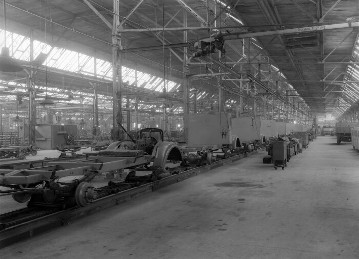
pixel 81 196
pixel 21 197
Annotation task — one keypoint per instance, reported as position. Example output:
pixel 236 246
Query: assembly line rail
pixel 16 233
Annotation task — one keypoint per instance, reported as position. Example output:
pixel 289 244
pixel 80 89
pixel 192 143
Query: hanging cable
pixel 4 9
pixel 46 58
pixel 163 47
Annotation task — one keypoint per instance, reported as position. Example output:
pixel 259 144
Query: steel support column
pixel 220 96
pixel 117 72
pixel 266 108
pixel 50 116
pixel 136 100
pixel 165 119
pixel 31 90
pixel 287 108
pixel 254 108
pixel 95 111
pixel 185 86
pixel 237 111
pixel 1 119
pixel 272 108
pixel 136 113
pixel 32 109
pixel 240 108
pixel 195 101
pixel 128 110
pixel 185 83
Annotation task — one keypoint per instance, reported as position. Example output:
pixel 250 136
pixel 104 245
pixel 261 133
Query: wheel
pixel 33 152
pixel 275 168
pixel 21 197
pixel 84 194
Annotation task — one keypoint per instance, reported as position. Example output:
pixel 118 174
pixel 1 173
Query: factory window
pixel 76 62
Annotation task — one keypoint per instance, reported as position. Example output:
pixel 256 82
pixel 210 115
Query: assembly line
pixel 148 162
pixel 179 129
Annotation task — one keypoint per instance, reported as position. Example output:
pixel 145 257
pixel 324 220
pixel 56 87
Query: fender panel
pixel 164 151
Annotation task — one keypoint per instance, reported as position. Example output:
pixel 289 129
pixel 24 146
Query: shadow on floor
pixel 335 143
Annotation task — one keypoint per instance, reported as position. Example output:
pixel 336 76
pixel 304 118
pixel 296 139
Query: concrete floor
pixel 243 210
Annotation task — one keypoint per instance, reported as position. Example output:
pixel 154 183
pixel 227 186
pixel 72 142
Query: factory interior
pixel 179 129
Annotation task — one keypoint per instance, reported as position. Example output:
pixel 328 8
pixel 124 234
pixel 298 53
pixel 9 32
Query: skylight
pixel 351 85
pixel 76 62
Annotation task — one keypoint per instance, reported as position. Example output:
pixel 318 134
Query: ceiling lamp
pixel 167 96
pixel 163 95
pixel 7 64
pixel 47 101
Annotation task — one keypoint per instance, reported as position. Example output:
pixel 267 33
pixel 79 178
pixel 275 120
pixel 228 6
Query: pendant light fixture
pixel 7 64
